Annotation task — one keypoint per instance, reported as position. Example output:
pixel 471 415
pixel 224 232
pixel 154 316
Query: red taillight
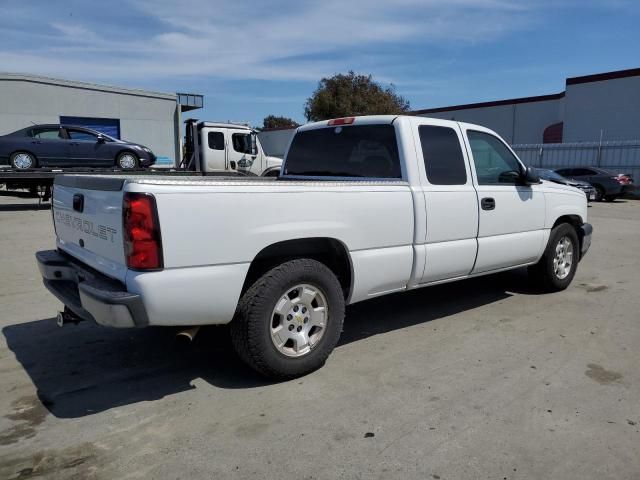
pixel 623 179
pixel 142 245
pixel 341 121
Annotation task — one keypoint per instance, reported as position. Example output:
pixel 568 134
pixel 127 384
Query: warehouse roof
pixel 599 77
pixel 21 77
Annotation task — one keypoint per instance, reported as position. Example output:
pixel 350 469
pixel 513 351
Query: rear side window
pixel 46 133
pixel 442 156
pixel 215 140
pixel 345 151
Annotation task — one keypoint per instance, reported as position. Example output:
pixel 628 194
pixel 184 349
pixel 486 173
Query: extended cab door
pixel 512 215
pixel 214 149
pixel 450 198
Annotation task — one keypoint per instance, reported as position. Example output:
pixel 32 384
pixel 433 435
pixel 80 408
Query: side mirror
pixel 254 143
pixel 530 176
pixel 101 138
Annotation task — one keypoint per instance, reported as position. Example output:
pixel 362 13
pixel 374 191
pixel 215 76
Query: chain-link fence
pixel 619 157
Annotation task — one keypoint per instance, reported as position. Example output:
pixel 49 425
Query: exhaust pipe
pixel 67 316
pixel 187 335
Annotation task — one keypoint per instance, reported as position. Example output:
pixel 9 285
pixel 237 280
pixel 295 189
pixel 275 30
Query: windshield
pixel 345 151
pixel 551 176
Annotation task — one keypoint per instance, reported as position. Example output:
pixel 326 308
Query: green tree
pixel 351 94
pixel 273 121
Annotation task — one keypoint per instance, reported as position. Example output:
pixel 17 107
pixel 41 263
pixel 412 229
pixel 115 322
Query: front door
pixel 240 152
pixel 512 215
pixel 86 151
pixel 450 199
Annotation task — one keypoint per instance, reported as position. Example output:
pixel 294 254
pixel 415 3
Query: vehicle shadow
pixel 84 369
pixel 23 207
pixel 18 194
pixel 19 207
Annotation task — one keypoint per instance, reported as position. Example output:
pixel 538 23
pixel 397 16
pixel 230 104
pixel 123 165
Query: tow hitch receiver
pixel 67 316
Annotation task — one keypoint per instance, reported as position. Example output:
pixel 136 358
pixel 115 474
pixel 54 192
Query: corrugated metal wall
pixel 619 157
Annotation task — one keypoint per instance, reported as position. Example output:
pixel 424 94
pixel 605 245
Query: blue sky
pixel 254 58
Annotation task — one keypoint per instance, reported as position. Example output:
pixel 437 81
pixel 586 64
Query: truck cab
pixel 234 147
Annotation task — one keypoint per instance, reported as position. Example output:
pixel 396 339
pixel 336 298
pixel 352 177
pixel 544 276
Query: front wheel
pixel 610 198
pixel 557 267
pixel 22 161
pixel 289 320
pixel 127 161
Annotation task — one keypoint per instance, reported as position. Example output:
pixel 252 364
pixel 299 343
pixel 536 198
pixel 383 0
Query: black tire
pixel 610 198
pixel 125 157
pixel 543 273
pixel 18 156
pixel 599 193
pixel 252 323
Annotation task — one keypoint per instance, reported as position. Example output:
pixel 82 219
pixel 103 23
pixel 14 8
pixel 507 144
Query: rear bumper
pixel 585 238
pixel 90 294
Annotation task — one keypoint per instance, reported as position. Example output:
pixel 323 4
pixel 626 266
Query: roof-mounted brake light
pixel 341 121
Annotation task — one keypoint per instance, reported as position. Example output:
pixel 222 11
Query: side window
pixel 46 133
pixel 565 172
pixel 241 142
pixel 216 140
pixel 495 164
pixel 442 154
pixel 81 135
pixel 583 172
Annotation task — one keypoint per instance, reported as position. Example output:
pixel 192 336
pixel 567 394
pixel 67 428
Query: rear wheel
pixel 23 160
pixel 127 161
pixel 599 193
pixel 290 320
pixel 557 267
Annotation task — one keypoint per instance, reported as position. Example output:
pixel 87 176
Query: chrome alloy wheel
pixel 23 161
pixel 563 258
pixel 299 320
pixel 127 160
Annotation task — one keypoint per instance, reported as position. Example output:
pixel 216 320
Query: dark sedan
pixel 555 177
pixel 70 146
pixel 608 185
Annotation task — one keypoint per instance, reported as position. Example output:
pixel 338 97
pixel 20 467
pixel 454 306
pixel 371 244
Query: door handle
pixel 488 203
pixel 36 141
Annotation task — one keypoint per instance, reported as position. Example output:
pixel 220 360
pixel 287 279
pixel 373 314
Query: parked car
pixel 552 176
pixel 364 207
pixel 608 185
pixel 70 146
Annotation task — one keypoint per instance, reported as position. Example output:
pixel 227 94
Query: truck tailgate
pixel 87 215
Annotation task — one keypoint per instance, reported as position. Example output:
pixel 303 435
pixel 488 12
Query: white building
pixel 606 104
pixel 150 118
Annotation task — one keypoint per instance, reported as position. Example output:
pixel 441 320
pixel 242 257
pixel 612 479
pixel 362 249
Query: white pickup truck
pixel 364 207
